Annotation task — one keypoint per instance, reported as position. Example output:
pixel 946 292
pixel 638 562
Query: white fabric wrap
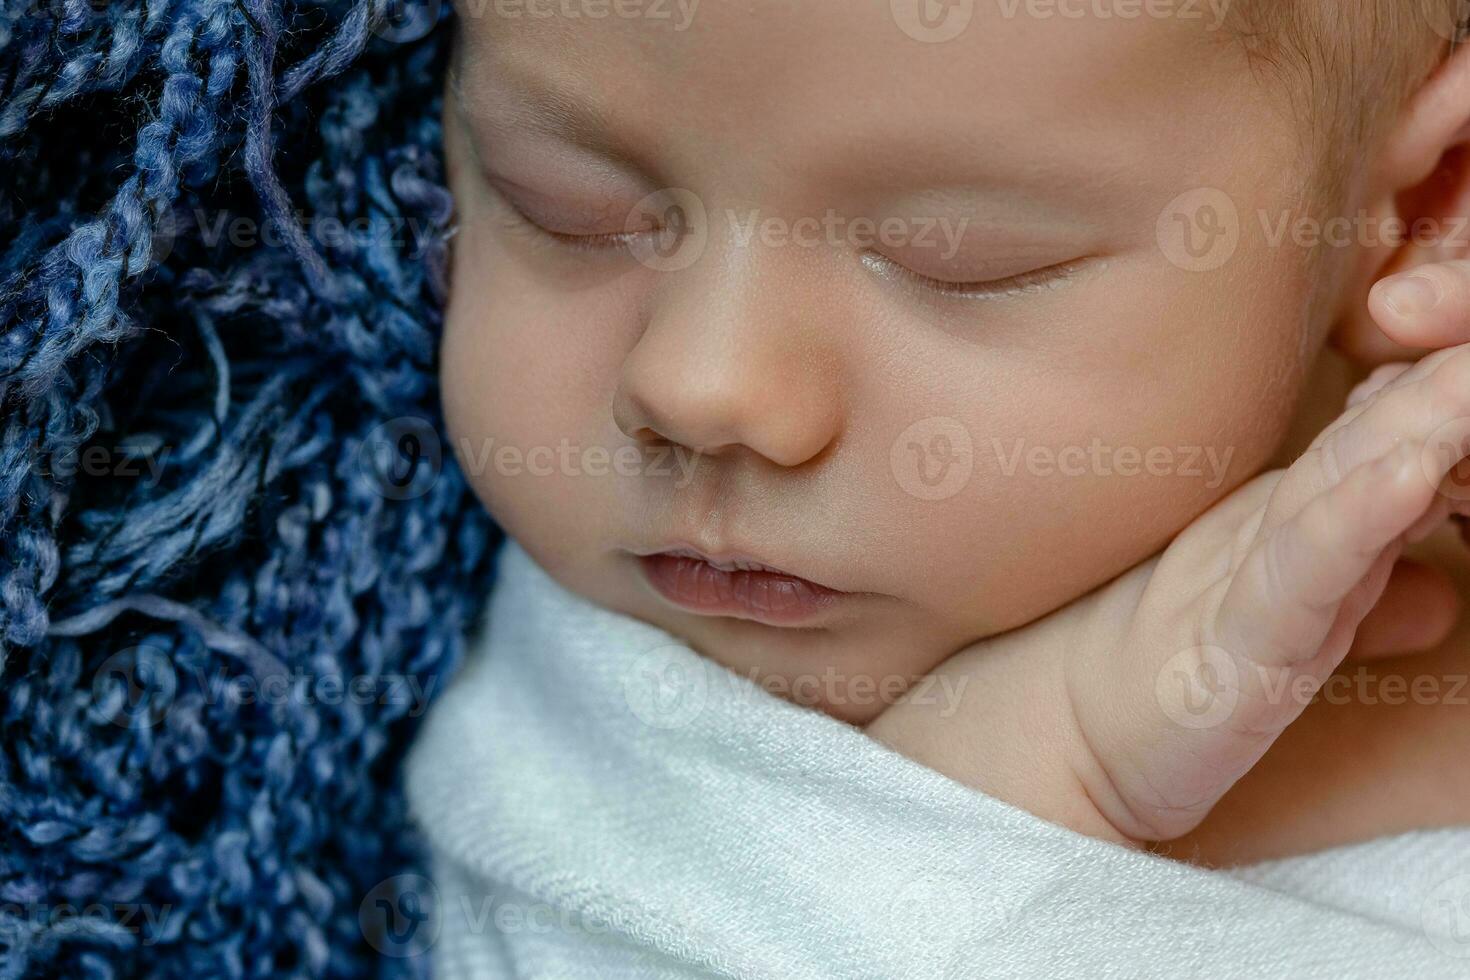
pixel 602 802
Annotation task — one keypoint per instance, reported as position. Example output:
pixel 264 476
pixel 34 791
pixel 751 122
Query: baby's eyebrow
pixel 508 95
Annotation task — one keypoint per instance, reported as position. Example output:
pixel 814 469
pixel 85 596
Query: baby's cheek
pixel 527 374
pixel 1095 464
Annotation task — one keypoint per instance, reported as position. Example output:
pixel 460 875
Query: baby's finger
pixel 1411 408
pixel 1381 378
pixel 1285 597
pixel 1428 307
pixel 1419 608
pixel 1248 661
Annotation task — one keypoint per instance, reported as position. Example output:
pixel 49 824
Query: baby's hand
pixel 1129 714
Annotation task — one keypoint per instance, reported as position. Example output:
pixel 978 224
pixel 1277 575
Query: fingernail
pixel 1411 296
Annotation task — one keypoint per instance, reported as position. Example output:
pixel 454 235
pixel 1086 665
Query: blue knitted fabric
pixel 236 557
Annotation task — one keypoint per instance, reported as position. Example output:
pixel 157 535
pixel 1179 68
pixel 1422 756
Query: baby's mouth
pixel 736 587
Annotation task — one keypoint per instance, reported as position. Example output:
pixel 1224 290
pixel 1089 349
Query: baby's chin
pixel 847 653
pixel 814 669
pixel 853 668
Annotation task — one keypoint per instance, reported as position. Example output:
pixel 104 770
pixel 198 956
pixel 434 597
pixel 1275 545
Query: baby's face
pixel 925 325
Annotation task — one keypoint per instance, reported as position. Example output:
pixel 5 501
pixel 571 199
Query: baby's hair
pixel 1350 64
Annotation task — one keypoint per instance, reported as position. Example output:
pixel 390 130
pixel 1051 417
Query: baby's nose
pixel 734 354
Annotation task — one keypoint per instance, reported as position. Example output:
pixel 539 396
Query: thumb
pixel 1428 307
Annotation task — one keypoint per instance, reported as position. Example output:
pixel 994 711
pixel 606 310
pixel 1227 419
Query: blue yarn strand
pixel 200 539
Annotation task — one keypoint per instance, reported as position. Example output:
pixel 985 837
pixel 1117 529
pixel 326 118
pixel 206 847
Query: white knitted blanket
pixel 602 802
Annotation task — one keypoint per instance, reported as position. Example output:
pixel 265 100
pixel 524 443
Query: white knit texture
pixel 602 802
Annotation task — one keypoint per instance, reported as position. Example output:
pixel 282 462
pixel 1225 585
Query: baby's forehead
pixel 778 38
pixel 825 84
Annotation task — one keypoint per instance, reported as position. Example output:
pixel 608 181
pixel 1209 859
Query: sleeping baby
pixel 1034 490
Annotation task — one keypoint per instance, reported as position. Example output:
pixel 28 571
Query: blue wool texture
pixel 236 559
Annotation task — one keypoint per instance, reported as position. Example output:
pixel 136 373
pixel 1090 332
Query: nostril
pixel 648 440
pixel 631 418
pixel 654 416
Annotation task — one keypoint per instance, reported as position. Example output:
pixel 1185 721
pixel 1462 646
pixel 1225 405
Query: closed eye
pixel 594 242
pixel 1032 281
pixel 566 231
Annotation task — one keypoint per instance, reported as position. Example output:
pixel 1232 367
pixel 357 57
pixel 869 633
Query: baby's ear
pixel 1421 217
